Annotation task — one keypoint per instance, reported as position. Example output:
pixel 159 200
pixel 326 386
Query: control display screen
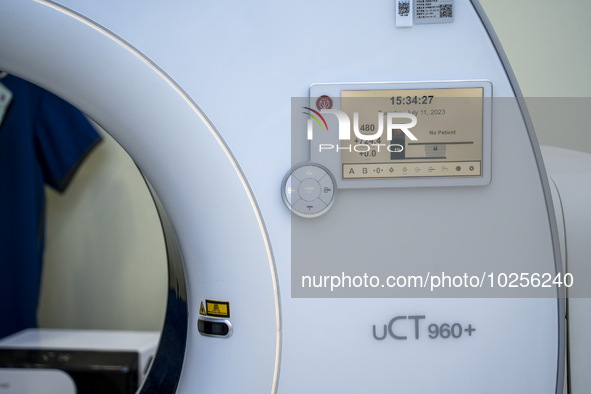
pixel 413 133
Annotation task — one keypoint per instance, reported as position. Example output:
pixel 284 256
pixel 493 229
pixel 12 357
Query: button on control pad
pixel 309 190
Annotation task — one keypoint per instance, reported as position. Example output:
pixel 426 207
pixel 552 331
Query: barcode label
pixel 446 11
pixel 403 8
pixel 404 15
pixel 433 11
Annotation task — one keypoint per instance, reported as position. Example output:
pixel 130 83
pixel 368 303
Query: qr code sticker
pixel 403 8
pixel 446 11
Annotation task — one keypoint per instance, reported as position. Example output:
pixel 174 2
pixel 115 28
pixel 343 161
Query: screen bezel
pixel 332 159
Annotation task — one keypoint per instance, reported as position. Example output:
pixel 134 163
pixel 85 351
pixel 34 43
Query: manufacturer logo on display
pixel 324 102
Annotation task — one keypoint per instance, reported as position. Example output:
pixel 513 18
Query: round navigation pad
pixel 308 190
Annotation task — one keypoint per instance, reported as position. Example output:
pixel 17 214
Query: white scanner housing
pixel 206 97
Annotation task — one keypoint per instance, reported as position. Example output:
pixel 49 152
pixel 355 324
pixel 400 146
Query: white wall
pixel 548 44
pixel 105 260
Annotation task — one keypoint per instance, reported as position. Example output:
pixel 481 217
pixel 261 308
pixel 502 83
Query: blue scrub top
pixel 43 140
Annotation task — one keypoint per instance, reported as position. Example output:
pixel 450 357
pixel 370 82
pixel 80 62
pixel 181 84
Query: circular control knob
pixel 308 190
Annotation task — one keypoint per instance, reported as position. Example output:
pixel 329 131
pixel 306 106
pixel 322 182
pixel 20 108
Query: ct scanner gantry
pixel 230 110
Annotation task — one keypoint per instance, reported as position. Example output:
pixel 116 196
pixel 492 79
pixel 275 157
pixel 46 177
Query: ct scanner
pixel 266 209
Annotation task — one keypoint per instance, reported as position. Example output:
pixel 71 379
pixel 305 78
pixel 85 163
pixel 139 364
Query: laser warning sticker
pixel 217 308
pixel 202 310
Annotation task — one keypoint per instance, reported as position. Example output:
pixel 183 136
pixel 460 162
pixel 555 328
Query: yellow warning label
pixel 202 309
pixel 217 308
